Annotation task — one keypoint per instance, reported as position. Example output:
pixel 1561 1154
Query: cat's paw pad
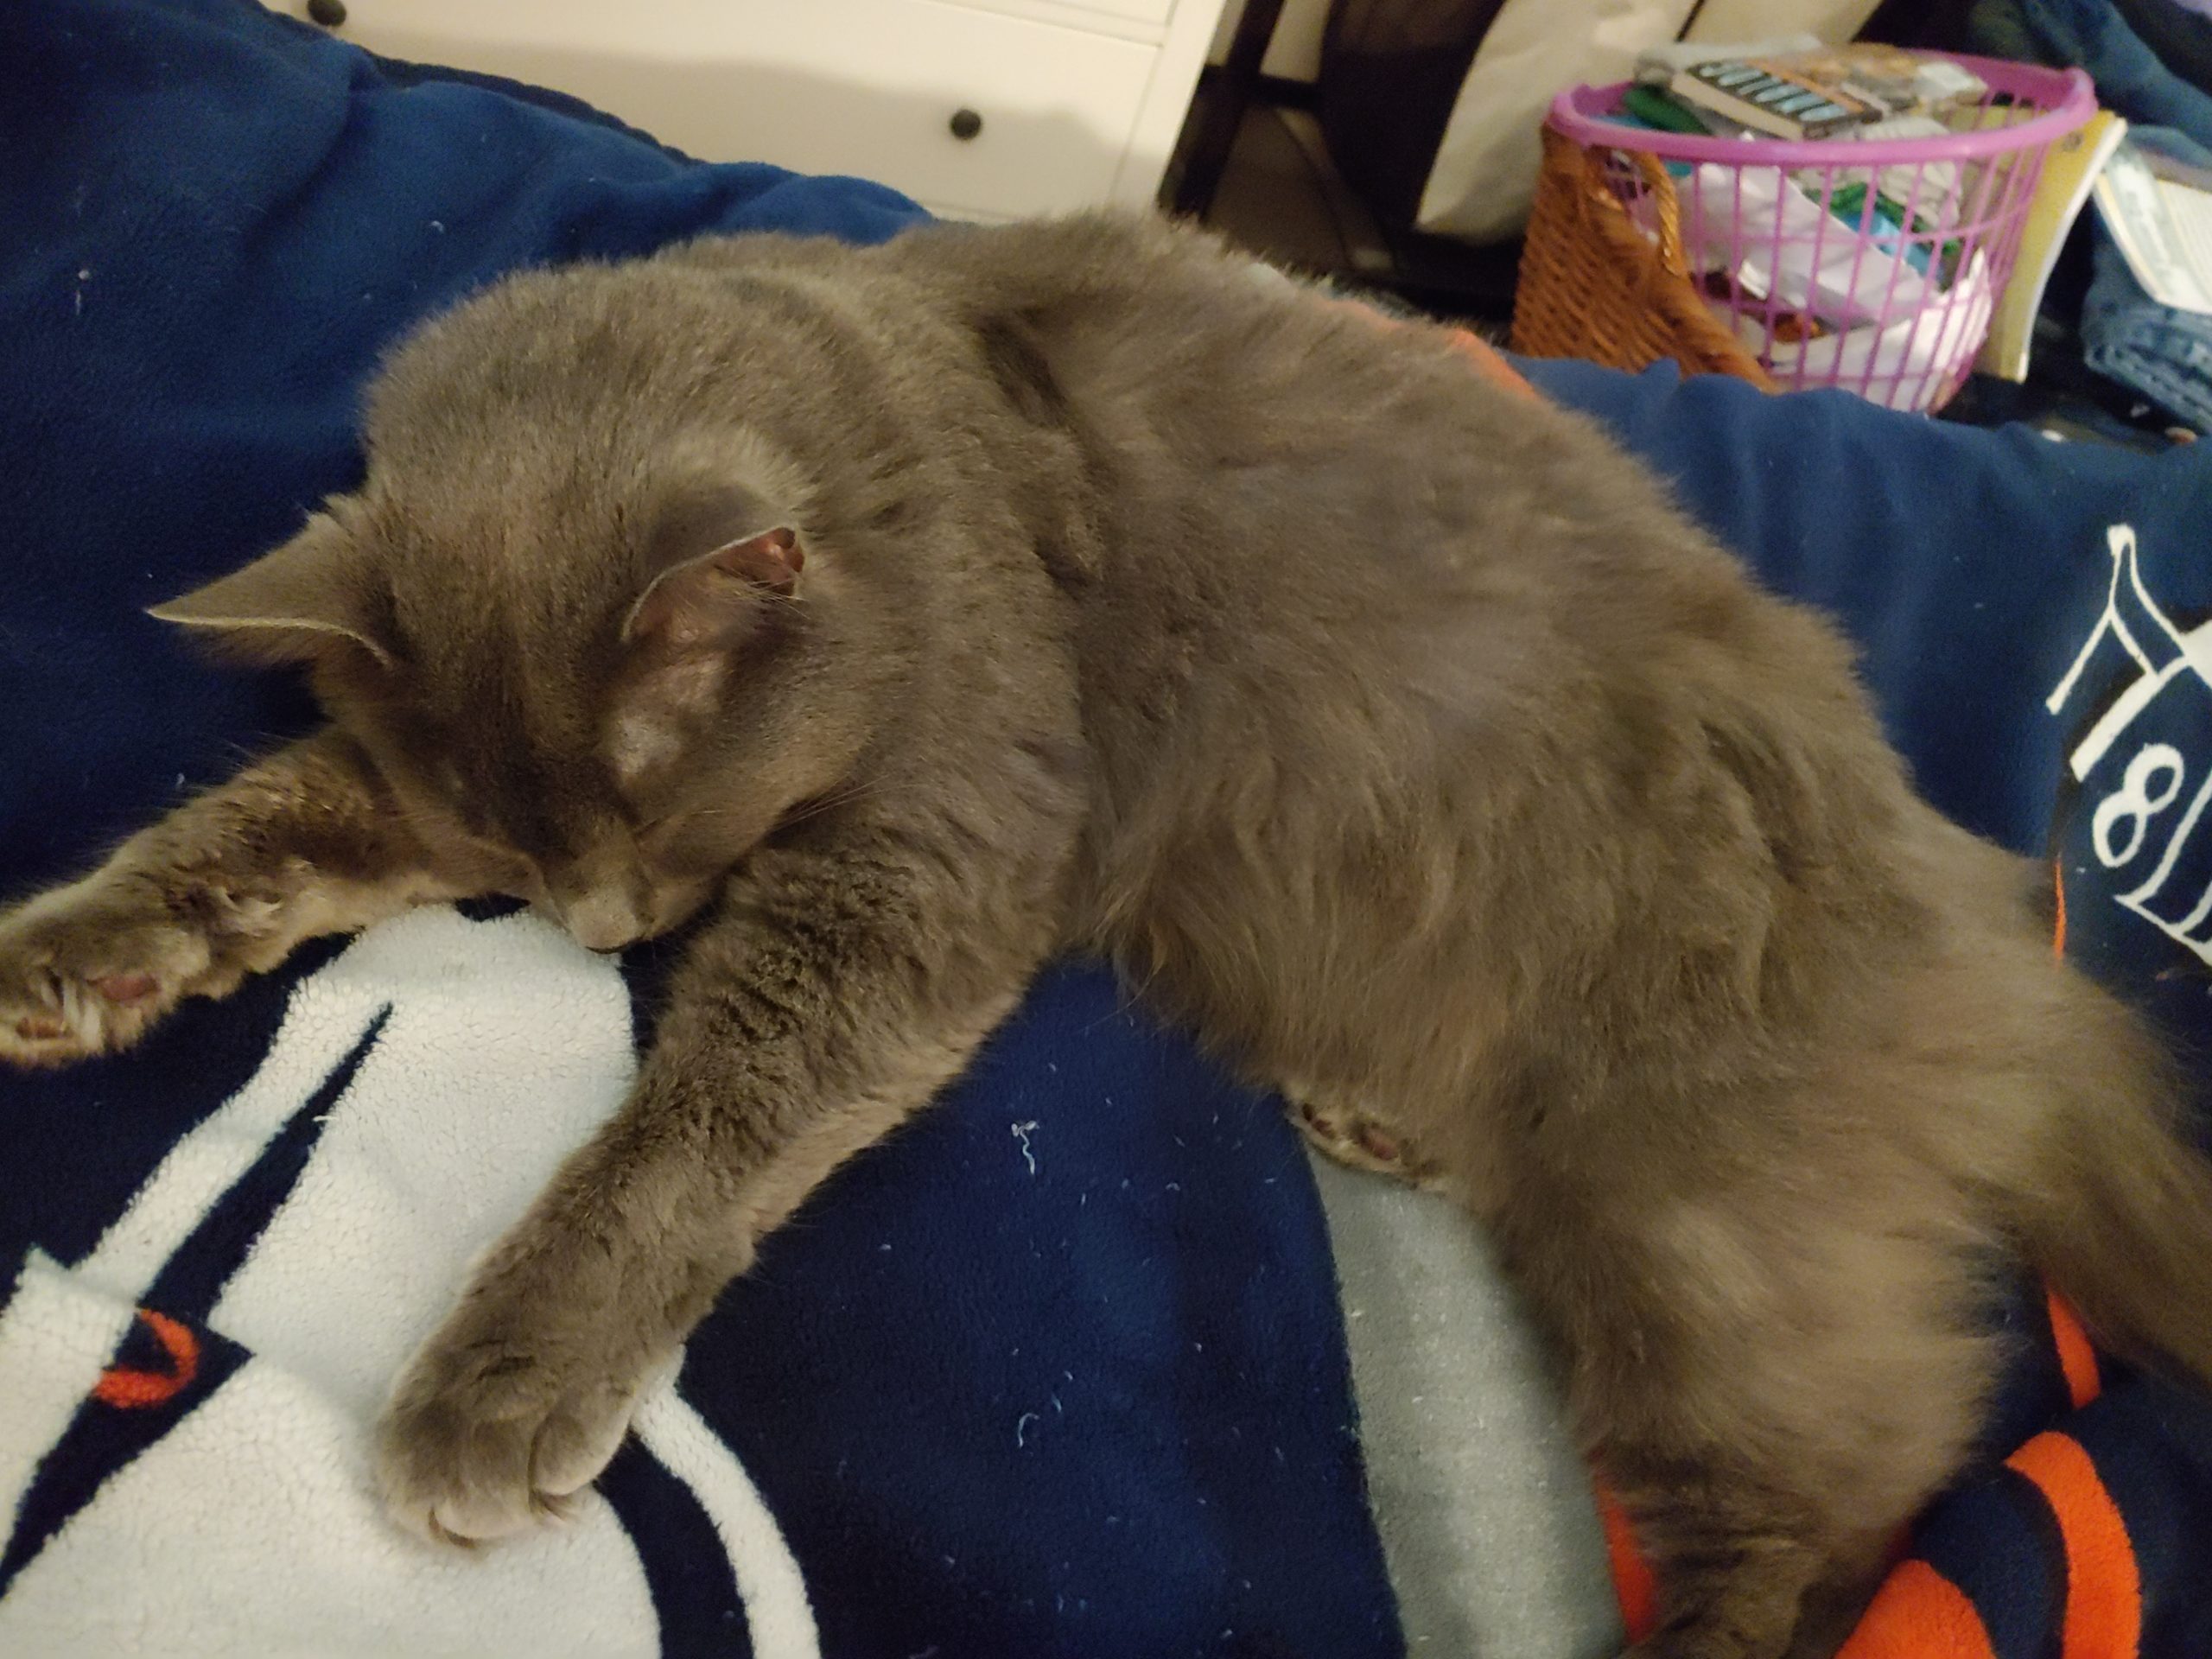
pixel 85 970
pixel 485 1440
pixel 1352 1137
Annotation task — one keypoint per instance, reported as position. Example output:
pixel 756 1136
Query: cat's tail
pixel 2120 1219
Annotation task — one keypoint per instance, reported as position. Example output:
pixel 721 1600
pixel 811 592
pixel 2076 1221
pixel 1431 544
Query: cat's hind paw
pixel 1362 1142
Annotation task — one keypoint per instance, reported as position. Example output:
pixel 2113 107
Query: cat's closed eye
pixel 664 838
pixel 449 818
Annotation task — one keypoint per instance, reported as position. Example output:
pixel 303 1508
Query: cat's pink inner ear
pixel 707 600
pixel 774 560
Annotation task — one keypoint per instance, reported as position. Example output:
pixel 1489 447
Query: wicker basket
pixel 1592 286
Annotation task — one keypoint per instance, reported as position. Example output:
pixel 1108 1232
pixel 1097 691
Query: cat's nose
pixel 603 918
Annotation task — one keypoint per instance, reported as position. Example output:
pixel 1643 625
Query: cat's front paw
pixel 85 968
pixel 514 1406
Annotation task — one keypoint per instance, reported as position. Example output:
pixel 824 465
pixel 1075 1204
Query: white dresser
pixel 983 109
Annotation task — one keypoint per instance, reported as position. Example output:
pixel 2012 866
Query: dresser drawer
pixel 874 88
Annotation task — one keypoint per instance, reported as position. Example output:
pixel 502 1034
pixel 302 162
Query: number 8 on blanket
pixel 2150 806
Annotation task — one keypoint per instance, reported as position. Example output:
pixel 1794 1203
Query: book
pixel 2071 170
pixel 1655 66
pixel 1768 99
pixel 2162 225
pixel 1895 81
pixel 1818 94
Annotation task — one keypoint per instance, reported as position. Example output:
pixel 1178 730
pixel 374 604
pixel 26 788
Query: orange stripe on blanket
pixel 2104 1590
pixel 1488 361
pixel 131 1388
pixel 1634 1586
pixel 2077 1356
pixel 1919 1614
pixel 1491 365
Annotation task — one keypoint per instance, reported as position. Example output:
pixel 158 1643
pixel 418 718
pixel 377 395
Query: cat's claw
pixel 84 970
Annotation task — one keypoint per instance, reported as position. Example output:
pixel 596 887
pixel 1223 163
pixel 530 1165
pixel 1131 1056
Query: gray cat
pixel 919 613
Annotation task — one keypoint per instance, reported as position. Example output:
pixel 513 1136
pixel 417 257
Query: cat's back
pixel 1297 447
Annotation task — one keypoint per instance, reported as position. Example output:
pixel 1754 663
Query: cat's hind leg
pixel 1772 1380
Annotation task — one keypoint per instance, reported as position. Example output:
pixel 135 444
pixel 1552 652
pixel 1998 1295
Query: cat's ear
pixel 296 604
pixel 712 597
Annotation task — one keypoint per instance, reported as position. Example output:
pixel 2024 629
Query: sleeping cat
pixel 901 617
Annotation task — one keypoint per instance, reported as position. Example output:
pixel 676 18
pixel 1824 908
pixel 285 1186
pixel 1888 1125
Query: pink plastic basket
pixel 1872 264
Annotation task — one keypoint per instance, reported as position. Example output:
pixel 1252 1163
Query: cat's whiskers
pixel 829 802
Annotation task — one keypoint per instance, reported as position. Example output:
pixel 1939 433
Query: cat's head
pixel 583 632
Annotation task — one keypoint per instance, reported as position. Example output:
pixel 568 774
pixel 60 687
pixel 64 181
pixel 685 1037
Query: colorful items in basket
pixel 1813 291
pixel 1882 275
pixel 1894 228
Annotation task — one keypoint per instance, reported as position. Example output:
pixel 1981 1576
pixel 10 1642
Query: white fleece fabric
pixel 250 1527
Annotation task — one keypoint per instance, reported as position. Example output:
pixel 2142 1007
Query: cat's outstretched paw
pixel 85 968
pixel 513 1407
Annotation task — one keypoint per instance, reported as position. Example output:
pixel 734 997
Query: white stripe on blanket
pixel 250 1527
pixel 776 1609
